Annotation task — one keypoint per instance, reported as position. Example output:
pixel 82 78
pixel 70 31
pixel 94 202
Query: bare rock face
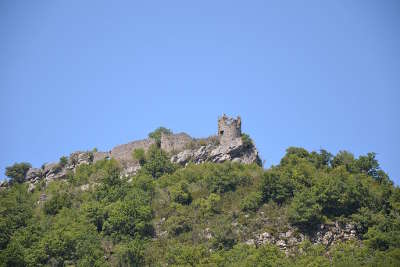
pixel 33 175
pixel 79 157
pixel 234 151
pixel 326 234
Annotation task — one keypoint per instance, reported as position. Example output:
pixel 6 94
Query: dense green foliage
pixel 247 142
pixel 17 172
pixel 155 162
pixel 156 134
pixel 201 215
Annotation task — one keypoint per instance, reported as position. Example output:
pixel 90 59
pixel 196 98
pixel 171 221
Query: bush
pixel 157 163
pixel 277 186
pixel 130 217
pixel 130 253
pixel 223 180
pixel 186 255
pixel 57 202
pixel 210 205
pixel 224 236
pixel 304 211
pixel 96 214
pixel 139 155
pixel 180 193
pixel 70 239
pixel 63 161
pixel 251 202
pixel 247 142
pixel 17 172
pixel 178 224
pixel 15 212
pixel 82 174
pixel 157 133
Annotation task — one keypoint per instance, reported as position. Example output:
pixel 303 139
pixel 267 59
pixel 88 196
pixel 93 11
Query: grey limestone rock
pixel 233 151
pixel 33 174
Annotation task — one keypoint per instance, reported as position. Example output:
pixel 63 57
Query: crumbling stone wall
pixel 229 129
pixel 175 142
pixel 123 153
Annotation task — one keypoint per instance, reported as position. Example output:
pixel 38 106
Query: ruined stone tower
pixel 229 129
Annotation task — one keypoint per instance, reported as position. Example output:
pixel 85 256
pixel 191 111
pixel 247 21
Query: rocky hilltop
pixel 175 200
pixel 228 145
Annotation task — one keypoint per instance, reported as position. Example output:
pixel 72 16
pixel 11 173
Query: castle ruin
pixel 179 146
pixel 229 129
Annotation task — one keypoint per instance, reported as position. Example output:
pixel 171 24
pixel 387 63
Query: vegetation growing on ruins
pixel 157 133
pixel 202 215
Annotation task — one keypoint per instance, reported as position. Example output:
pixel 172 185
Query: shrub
pixel 220 181
pixel 63 161
pixel 210 205
pixel 178 224
pixel 246 140
pixel 130 253
pixel 305 211
pixel 139 155
pixel 277 186
pixel 17 172
pixel 186 255
pixel 180 193
pixel 156 134
pixel 15 212
pixel 157 163
pixel 95 214
pixel 144 182
pixel 70 239
pixel 82 174
pixel 224 236
pixel 130 217
pixel 251 202
pixel 57 202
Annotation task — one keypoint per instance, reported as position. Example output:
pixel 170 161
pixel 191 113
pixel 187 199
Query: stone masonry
pixel 229 129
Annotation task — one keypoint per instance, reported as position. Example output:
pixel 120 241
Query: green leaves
pixel 57 202
pixel 304 210
pixel 251 202
pixel 157 133
pixel 17 172
pixel 246 140
pixel 180 193
pixel 127 218
pixel 157 163
pixel 130 253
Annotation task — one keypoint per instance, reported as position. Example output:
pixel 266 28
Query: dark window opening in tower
pixel 221 132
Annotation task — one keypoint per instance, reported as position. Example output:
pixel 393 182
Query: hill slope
pixel 313 209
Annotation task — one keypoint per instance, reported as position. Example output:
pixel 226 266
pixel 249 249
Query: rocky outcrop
pixel 34 175
pixel 55 171
pixel 326 234
pixel 234 151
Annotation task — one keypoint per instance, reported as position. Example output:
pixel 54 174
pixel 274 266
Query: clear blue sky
pixel 82 74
